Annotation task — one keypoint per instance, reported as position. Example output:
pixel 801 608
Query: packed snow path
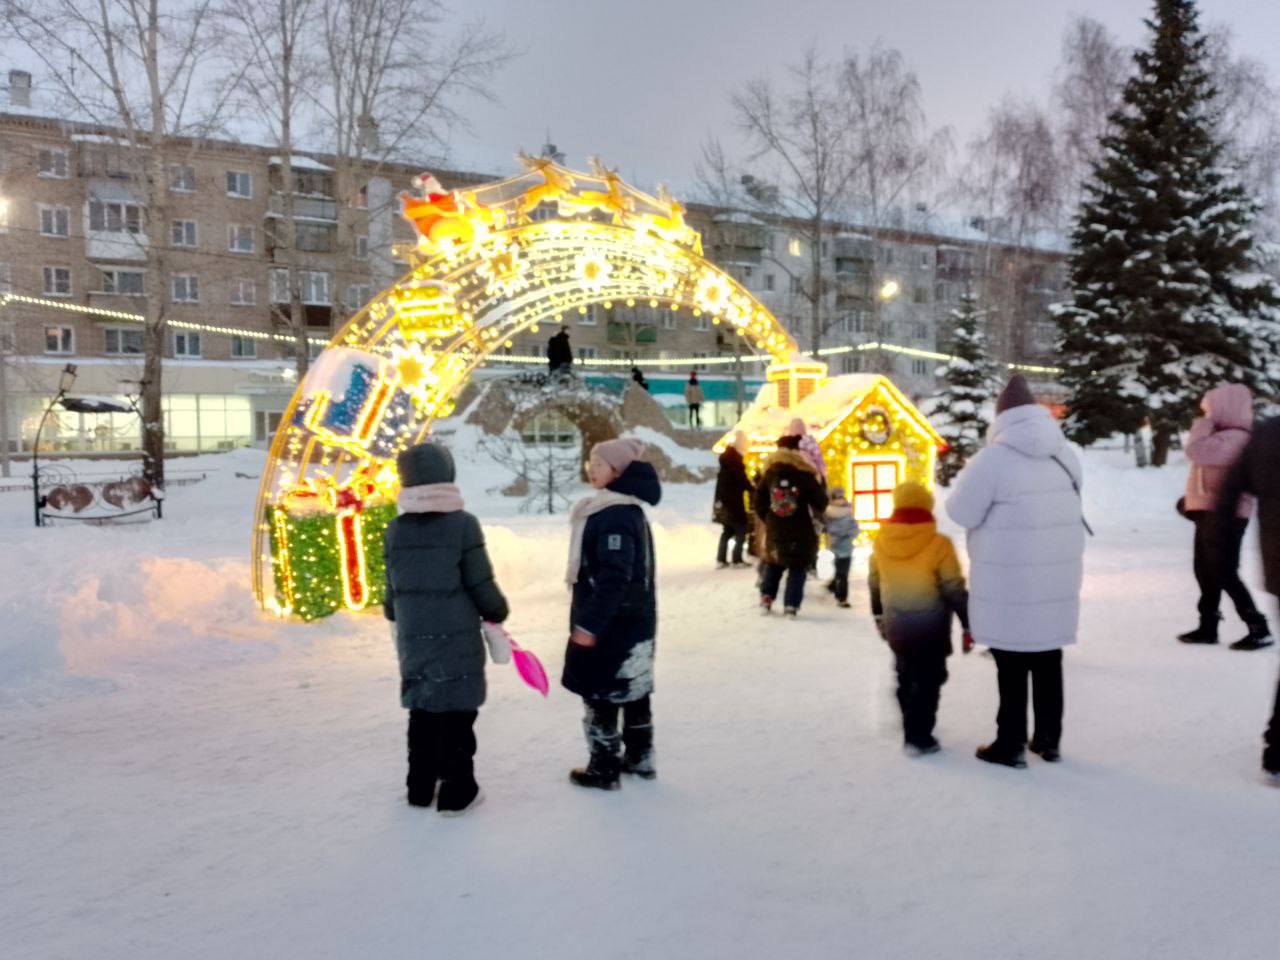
pixel 181 778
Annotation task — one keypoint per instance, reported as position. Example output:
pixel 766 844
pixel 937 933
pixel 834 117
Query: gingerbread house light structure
pixel 872 437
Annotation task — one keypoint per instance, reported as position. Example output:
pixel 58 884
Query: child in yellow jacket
pixel 916 585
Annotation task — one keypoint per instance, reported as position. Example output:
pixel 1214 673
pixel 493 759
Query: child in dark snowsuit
pixel 916 585
pixel 789 500
pixel 440 587
pixel 841 529
pixel 614 616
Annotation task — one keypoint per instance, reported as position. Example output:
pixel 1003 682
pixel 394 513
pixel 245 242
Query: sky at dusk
pixel 642 83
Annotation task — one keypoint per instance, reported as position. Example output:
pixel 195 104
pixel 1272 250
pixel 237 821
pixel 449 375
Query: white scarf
pixel 431 498
pixel 583 510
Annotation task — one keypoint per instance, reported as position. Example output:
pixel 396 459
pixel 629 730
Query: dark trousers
pixel 920 680
pixel 737 532
pixel 441 747
pixel 1045 672
pixel 840 584
pixel 771 579
pixel 607 743
pixel 695 415
pixel 1271 755
pixel 1217 569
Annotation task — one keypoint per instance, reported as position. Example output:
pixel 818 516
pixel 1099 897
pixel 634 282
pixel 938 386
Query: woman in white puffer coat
pixel 1019 499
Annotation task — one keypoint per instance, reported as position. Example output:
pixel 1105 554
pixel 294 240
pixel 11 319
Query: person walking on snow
pixel 916 585
pixel 1257 473
pixel 560 353
pixel 613 617
pixel 841 530
pixel 694 397
pixel 1214 444
pixel 790 500
pixel 440 586
pixel 730 509
pixel 1019 500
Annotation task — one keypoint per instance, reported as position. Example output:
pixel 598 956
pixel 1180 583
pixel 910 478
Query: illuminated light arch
pixel 491 261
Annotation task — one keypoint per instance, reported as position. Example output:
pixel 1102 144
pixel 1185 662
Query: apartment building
pixel 75 229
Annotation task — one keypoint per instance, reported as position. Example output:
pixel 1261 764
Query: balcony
pixel 305 208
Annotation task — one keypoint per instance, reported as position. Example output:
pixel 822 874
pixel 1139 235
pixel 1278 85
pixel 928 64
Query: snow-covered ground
pixel 180 777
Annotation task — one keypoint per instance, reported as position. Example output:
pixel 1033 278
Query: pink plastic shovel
pixel 529 667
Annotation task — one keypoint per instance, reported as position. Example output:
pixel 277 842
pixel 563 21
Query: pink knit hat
pixel 620 453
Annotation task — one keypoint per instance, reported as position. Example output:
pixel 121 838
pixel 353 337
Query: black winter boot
pixel 592 776
pixel 1207 632
pixel 994 753
pixel 1257 637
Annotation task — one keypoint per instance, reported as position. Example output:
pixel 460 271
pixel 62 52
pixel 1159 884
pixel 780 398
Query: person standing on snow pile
pixel 440 587
pixel 637 376
pixel 560 353
pixel 916 585
pixel 613 618
pixel 842 530
pixel 1257 473
pixel 730 509
pixel 1019 500
pixel 694 397
pixel 1214 444
pixel 790 499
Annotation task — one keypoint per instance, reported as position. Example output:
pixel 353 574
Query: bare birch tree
pixel 139 71
pixel 269 37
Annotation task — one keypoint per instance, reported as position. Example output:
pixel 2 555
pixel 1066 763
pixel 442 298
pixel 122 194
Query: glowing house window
pixel 873 483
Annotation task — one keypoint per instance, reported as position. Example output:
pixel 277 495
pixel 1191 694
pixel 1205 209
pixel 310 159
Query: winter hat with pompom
pixel 1015 394
pixel 912 496
pixel 620 453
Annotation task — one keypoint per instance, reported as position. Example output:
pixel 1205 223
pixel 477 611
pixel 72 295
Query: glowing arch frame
pixel 492 261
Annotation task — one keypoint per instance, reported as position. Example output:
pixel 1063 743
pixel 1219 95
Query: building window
pixel 920 367
pixel 121 341
pixel 6 279
pixel 129 283
pixel 851 363
pixel 924 258
pixel 184 233
pixel 358 295
pixel 113 217
pixel 587 353
pixel 795 247
pixel 239 184
pixel 186 288
pixel 53 163
pixel 244 292
pixel 701 322
pixel 745 273
pixel 244 347
pixel 796 286
pixel 587 315
pixel 921 295
pixel 186 344
pixel 315 288
pixel 265 424
pixel 768 281
pixel 239 238
pixel 280 285
pixel 699 356
pixel 59 340
pixel 55 221
pixel 362 198
pixel 182 178
pixel 57 281
pixel 4 215
pixel 362 247
pixel 873 484
pixel 313 237
pixel 668 320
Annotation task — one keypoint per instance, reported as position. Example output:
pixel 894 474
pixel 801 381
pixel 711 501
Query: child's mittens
pixel 497 640
pixel 966 643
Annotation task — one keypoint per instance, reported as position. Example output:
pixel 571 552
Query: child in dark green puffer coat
pixel 440 587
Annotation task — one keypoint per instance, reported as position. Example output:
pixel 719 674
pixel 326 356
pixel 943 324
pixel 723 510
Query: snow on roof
pixel 738 216
pixel 299 162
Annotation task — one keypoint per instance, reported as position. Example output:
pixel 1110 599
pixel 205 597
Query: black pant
pixel 920 680
pixel 1045 671
pixel 600 724
pixel 1217 568
pixel 441 747
pixel 771 579
pixel 840 585
pixel 1271 755
pixel 695 415
pixel 737 532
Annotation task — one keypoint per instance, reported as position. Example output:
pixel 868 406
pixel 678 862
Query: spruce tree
pixel 1169 298
pixel 958 412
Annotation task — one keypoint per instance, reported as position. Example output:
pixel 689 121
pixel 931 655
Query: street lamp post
pixel 889 291
pixel 66 380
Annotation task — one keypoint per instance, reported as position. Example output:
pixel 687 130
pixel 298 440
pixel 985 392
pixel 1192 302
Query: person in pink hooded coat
pixel 1213 446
